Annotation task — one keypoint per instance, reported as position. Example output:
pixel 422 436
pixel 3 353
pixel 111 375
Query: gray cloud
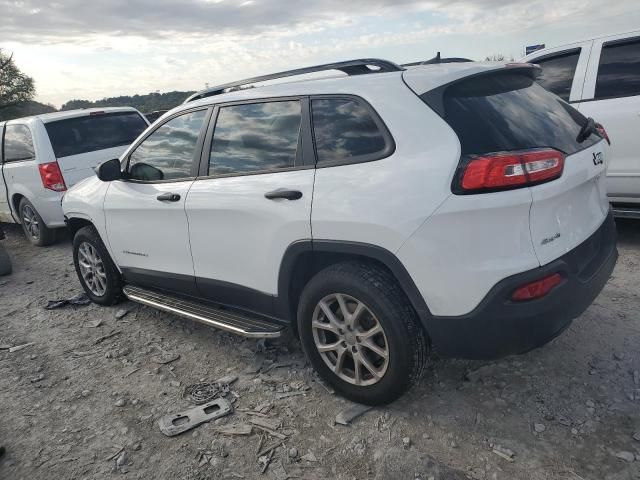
pixel 31 20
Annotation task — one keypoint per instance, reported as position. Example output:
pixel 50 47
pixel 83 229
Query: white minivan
pixel 43 155
pixel 601 78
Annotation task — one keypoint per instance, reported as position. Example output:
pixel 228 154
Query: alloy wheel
pixel 92 269
pixel 350 339
pixel 30 222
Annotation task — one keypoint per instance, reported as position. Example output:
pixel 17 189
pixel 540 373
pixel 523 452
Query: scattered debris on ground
pixel 85 397
pixel 78 300
pixel 177 423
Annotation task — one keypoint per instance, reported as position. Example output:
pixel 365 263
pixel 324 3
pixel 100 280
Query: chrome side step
pixel 228 320
pixel 626 212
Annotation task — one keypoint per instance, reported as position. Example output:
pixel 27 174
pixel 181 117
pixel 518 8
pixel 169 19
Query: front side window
pixel 168 153
pixel 619 70
pixel 18 143
pixel 255 137
pixel 557 72
pixel 345 130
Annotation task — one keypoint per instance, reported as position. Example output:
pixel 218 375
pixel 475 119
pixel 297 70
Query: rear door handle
pixel 168 197
pixel 284 193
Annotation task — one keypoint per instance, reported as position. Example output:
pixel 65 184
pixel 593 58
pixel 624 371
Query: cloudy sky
pixel 94 49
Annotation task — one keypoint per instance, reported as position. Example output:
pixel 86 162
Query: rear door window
pixel 345 130
pixel 256 137
pixel 619 70
pixel 168 153
pixel 74 136
pixel 18 143
pixel 509 111
pixel 558 71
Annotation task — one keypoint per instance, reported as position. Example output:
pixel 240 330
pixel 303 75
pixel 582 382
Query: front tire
pixel 360 333
pixel 34 228
pixel 96 271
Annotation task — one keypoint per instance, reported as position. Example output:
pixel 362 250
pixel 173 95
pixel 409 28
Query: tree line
pixel 18 89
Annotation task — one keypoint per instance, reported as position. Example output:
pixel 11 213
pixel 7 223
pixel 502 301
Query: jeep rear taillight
pixel 52 177
pixel 602 132
pixel 509 170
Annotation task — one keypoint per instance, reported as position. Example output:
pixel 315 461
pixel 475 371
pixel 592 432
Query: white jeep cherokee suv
pixel 459 207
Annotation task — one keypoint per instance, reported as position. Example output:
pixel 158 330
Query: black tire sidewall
pixel 46 235
pixel 397 378
pixel 113 291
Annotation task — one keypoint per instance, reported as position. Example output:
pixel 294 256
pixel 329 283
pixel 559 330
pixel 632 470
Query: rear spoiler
pixel 434 98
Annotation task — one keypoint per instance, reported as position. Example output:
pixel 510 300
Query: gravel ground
pixel 76 404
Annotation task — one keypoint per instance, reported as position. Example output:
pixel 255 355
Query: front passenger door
pixel 145 216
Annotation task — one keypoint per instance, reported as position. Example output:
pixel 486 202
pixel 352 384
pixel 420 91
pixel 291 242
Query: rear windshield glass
pixel 95 132
pixel 510 111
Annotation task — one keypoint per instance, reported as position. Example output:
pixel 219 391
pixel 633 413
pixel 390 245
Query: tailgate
pixel 568 210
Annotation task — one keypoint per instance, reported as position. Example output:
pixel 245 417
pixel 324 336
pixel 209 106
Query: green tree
pixel 15 86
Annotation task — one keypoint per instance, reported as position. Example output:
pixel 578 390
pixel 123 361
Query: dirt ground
pixel 78 405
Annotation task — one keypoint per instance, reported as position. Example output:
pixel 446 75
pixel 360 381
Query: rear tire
pixel 366 367
pixel 5 262
pixel 33 226
pixel 96 271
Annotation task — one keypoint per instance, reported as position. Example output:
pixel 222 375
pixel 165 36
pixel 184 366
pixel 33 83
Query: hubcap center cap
pixel 350 338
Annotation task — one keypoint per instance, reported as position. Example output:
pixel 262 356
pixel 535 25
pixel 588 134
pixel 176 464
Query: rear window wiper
pixel 587 130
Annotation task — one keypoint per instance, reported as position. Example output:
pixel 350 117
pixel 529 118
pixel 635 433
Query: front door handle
pixel 284 193
pixel 168 197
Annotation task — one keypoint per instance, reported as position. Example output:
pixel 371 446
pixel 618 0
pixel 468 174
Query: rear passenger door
pixel 252 201
pixel 612 97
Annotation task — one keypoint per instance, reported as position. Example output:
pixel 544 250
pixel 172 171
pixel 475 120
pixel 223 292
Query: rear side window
pixel 18 143
pixel 346 131
pixel 168 153
pixel 78 135
pixel 256 137
pixel 619 70
pixel 558 71
pixel 509 111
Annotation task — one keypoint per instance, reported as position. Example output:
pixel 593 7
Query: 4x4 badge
pixel 598 158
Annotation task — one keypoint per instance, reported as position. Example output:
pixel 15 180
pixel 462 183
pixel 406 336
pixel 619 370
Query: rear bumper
pixel 500 327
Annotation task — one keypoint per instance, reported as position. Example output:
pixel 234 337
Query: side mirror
pixel 110 170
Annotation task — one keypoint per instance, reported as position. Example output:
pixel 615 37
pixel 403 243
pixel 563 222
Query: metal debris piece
pixel 504 452
pixel 280 396
pixel 236 429
pixel 120 314
pixel 95 324
pixel 200 393
pixel 165 357
pixel 227 379
pixel 309 457
pixel 268 426
pixel 177 423
pixel 265 460
pixel 17 348
pixel 346 416
pixel 78 300
pixel 107 336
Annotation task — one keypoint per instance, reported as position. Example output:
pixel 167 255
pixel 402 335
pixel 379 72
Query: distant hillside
pixel 25 109
pixel 144 103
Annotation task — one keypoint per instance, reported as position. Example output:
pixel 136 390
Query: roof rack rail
pixel 350 67
pixel 437 60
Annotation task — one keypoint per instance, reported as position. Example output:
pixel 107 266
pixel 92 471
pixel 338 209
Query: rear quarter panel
pixel 384 201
